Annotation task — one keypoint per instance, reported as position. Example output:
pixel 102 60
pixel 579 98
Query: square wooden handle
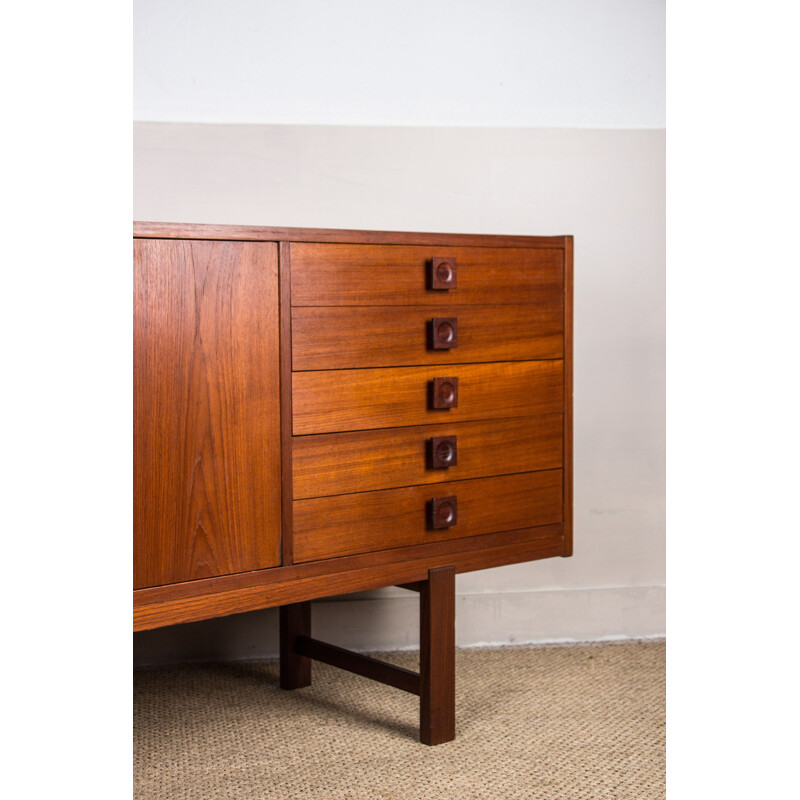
pixel 442 274
pixel 444 393
pixel 444 333
pixel 444 511
pixel 442 452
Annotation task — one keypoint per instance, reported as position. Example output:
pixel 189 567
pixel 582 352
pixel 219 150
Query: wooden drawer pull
pixel 444 393
pixel 443 333
pixel 442 452
pixel 443 511
pixel 442 273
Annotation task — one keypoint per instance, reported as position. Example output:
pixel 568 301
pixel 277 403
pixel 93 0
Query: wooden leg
pixel 437 658
pixel 295 620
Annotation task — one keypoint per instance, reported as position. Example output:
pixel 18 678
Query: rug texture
pixel 580 722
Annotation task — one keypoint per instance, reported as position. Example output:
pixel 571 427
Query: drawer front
pixel 349 338
pixel 328 527
pixel 359 399
pixel 346 275
pixel 342 463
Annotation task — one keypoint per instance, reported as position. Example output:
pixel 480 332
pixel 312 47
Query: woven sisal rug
pixel 556 723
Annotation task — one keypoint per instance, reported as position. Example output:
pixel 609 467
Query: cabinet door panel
pixel 206 409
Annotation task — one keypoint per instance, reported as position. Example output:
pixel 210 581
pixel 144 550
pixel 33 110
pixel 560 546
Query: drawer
pixel 372 275
pixel 359 399
pixel 338 337
pixel 341 463
pixel 327 527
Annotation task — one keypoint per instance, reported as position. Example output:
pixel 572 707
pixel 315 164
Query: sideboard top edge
pixel 252 233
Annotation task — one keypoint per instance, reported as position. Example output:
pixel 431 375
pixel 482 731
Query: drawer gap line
pixel 444 424
pixel 433 486
pixel 438 364
pixel 422 424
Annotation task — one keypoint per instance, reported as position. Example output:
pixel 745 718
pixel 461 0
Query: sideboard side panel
pixel 568 391
pixel 206 409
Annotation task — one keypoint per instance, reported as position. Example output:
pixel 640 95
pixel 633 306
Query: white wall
pixel 606 187
pixel 545 63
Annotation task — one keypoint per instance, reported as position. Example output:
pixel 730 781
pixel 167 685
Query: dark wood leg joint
pixel 380 671
pixel 295 621
pixel 437 658
pixel 435 684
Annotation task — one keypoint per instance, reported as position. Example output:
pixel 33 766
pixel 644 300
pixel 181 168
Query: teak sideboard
pixel 318 412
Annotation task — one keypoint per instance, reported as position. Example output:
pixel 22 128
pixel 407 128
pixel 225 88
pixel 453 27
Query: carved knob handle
pixel 442 273
pixel 444 333
pixel 444 393
pixel 442 452
pixel 444 511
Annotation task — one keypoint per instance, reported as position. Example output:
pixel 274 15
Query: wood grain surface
pixel 327 527
pixel 233 594
pixel 206 415
pixel 348 400
pixel 393 336
pixel 259 233
pixel 354 309
pixel 339 463
pixel 345 275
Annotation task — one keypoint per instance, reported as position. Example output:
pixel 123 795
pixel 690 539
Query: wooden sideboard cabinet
pixel 318 412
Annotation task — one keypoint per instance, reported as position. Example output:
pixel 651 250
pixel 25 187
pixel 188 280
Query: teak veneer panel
pixel 327 527
pixel 211 468
pixel 344 275
pixel 206 410
pixel 340 463
pixel 350 337
pixel 261 233
pixel 358 399
pixel 233 594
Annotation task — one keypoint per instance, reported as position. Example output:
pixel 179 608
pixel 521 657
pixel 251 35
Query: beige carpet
pixel 558 723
